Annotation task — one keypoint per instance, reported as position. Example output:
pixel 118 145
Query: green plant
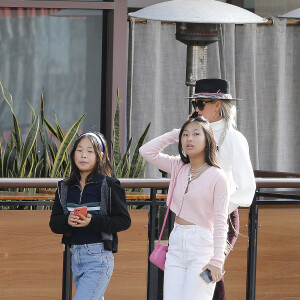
pixel 127 165
pixel 23 159
pixel 44 153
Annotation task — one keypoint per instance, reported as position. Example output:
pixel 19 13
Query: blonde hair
pixel 228 114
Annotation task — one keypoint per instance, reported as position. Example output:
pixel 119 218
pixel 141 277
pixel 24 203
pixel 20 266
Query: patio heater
pixel 198 24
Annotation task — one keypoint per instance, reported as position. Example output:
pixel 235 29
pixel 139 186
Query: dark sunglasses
pixel 200 103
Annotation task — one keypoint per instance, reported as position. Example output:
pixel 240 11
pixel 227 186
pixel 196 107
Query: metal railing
pixel 153 203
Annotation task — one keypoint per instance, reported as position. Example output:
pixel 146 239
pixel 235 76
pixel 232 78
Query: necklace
pixel 194 173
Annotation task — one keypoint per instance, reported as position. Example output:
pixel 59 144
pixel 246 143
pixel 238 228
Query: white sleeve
pixel 242 172
pixel 152 151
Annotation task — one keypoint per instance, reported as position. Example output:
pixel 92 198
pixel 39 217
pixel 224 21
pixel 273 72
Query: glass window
pixel 249 4
pixel 58 51
pixel 267 8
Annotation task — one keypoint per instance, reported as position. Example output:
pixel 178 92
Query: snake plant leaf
pixel 52 153
pixel 38 168
pixel 125 168
pixel 7 96
pixel 124 161
pixel 47 165
pixel 30 163
pixel 11 159
pixel 61 137
pixel 65 145
pixel 54 147
pixel 65 162
pixel 51 128
pixel 33 114
pixel 34 152
pixel 136 153
pixel 45 156
pixel 67 170
pixel 59 132
pixel 28 145
pixel 40 173
pixel 42 107
pixel 17 133
pixel 10 174
pixel 5 158
pixel 44 147
pixel 116 134
pixel 140 167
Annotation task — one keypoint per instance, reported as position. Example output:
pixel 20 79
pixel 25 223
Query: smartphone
pixel 80 210
pixel 206 276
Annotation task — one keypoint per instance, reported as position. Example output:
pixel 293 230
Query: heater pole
pixel 196 65
pixel 196 36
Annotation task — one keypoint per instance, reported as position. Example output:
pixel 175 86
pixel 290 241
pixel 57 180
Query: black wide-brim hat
pixel 218 89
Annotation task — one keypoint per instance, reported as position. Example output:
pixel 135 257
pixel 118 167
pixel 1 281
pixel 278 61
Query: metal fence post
pixel 67 275
pixel 252 250
pixel 152 270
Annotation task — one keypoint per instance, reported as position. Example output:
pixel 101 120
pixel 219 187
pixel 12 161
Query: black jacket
pixel 112 218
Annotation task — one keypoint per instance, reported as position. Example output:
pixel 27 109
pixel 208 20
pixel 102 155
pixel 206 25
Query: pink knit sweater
pixel 206 202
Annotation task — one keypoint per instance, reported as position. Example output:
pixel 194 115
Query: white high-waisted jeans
pixel 190 249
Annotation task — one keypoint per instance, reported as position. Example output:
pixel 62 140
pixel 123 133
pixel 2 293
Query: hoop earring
pixel 222 113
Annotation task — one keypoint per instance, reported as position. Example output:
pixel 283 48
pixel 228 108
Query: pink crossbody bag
pixel 158 255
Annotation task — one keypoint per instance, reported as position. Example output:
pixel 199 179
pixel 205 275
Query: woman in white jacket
pixel 212 100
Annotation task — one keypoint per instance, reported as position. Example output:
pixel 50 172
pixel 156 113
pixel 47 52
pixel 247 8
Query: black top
pixel 91 195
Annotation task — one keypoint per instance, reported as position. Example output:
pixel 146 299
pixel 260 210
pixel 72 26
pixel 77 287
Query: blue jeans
pixel 92 268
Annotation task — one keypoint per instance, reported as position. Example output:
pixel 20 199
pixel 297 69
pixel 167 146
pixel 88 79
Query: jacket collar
pixel 97 178
pixel 218 126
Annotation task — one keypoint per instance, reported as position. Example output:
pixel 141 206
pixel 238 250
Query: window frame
pixel 114 58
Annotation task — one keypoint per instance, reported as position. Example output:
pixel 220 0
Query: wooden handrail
pixel 273 174
pixel 161 183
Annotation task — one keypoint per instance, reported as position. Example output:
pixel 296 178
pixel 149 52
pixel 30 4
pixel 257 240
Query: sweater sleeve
pixel 119 218
pixel 151 151
pixel 221 201
pixel 58 220
pixel 242 172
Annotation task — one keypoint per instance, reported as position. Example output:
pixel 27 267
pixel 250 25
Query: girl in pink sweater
pixel 200 203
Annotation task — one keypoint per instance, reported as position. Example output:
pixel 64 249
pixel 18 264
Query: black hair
pixel 103 165
pixel 210 149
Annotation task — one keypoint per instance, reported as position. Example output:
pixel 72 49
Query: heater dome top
pixel 197 11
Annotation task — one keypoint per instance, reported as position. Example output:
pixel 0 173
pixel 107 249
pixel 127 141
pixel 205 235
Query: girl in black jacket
pixel 92 237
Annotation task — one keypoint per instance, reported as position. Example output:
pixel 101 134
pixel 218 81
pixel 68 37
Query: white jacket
pixel 234 158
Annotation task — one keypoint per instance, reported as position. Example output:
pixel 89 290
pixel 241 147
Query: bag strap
pixel 167 212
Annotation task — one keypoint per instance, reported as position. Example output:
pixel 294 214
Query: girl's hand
pixel 74 221
pixel 216 273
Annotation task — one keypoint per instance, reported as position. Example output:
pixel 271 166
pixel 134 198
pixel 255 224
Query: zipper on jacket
pixel 81 190
pixel 80 196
